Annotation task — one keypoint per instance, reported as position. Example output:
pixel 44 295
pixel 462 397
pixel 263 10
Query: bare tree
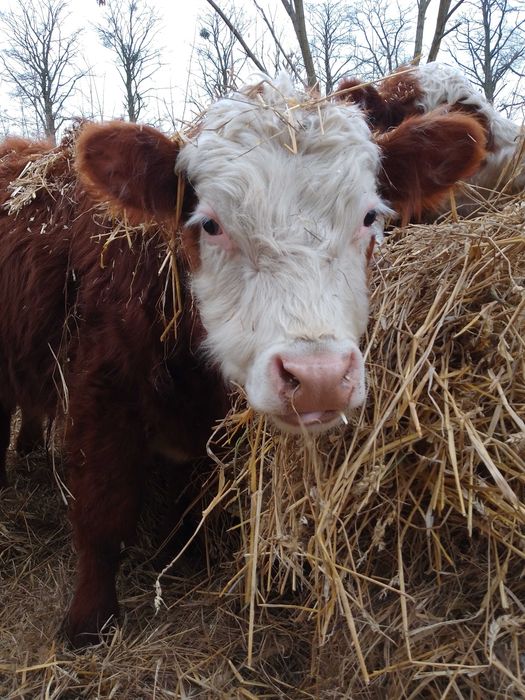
pixel 489 44
pixel 219 57
pixel 92 98
pixel 40 59
pixel 222 49
pixel 5 123
pixel 513 104
pixel 278 56
pixel 333 43
pixel 384 30
pixel 129 31
pixel 237 34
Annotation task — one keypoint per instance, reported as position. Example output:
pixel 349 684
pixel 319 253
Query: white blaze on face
pixel 286 200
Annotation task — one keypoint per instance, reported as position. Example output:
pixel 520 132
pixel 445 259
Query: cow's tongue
pixel 310 418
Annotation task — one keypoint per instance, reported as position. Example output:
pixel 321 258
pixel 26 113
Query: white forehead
pixel 273 153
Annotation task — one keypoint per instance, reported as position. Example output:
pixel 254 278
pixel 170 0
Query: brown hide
pixel 99 327
pixel 424 155
pixel 137 162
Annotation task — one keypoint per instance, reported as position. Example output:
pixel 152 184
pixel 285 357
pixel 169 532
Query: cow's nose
pixel 322 381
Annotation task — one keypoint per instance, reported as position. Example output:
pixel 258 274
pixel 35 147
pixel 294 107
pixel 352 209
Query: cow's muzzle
pixel 316 389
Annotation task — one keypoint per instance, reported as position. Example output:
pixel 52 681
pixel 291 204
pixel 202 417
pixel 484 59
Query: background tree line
pixel 369 39
pixel 318 41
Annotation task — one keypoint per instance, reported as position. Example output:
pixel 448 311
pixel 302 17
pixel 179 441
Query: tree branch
pixel 238 36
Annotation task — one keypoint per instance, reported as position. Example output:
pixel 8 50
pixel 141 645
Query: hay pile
pixel 387 561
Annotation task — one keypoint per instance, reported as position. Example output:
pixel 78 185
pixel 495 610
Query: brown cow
pixel 420 90
pixel 284 198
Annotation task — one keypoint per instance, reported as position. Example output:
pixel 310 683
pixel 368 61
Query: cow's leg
pixel 106 451
pixel 5 434
pixel 30 436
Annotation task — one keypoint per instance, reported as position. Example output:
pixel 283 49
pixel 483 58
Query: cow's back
pixel 34 250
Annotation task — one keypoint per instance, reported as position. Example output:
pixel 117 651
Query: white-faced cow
pixel 284 196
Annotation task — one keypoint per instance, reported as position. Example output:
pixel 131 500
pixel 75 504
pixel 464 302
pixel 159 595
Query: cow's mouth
pixel 313 421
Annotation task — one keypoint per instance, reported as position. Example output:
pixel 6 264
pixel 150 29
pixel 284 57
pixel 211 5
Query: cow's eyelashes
pixel 211 227
pixel 370 217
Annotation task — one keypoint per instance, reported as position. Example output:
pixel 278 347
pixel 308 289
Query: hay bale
pixel 397 548
pixel 385 561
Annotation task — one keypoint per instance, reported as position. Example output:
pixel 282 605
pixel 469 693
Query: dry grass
pixel 40 173
pixel 386 561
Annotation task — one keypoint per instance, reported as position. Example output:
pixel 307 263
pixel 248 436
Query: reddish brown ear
pixel 387 106
pixel 364 96
pixel 425 156
pixel 130 166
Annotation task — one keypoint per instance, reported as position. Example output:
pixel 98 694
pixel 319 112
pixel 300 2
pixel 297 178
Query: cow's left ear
pixel 130 166
pixel 424 157
pixel 364 95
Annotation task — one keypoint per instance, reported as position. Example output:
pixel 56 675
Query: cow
pixel 421 90
pixel 268 208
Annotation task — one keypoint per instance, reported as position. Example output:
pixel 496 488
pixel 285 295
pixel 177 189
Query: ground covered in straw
pixel 384 561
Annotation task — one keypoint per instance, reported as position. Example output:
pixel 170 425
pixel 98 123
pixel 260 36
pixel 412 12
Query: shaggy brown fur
pixel 396 98
pixel 424 157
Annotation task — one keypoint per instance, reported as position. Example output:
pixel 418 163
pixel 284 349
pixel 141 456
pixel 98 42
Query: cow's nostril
pixel 288 378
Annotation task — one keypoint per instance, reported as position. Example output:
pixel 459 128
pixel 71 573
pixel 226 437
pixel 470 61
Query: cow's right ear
pixel 424 157
pixel 131 167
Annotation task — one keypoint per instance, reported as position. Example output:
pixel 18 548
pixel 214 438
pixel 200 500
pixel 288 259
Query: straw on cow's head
pixel 288 199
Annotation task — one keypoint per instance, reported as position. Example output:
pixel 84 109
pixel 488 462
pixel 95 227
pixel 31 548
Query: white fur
pixel 442 84
pixel 297 270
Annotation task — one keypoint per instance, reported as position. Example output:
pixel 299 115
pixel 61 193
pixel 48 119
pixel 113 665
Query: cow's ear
pixel 364 96
pixel 425 156
pixel 130 166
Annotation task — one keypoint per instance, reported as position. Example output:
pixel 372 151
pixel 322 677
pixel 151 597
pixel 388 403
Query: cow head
pixel 287 202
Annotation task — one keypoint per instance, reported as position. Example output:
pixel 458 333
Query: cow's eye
pixel 211 227
pixel 370 218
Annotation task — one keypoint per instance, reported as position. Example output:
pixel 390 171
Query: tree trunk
pixel 488 84
pixel 50 126
pixel 130 100
pixel 422 7
pixel 296 14
pixel 441 23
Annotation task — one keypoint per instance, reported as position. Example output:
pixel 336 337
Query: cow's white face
pixel 286 215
